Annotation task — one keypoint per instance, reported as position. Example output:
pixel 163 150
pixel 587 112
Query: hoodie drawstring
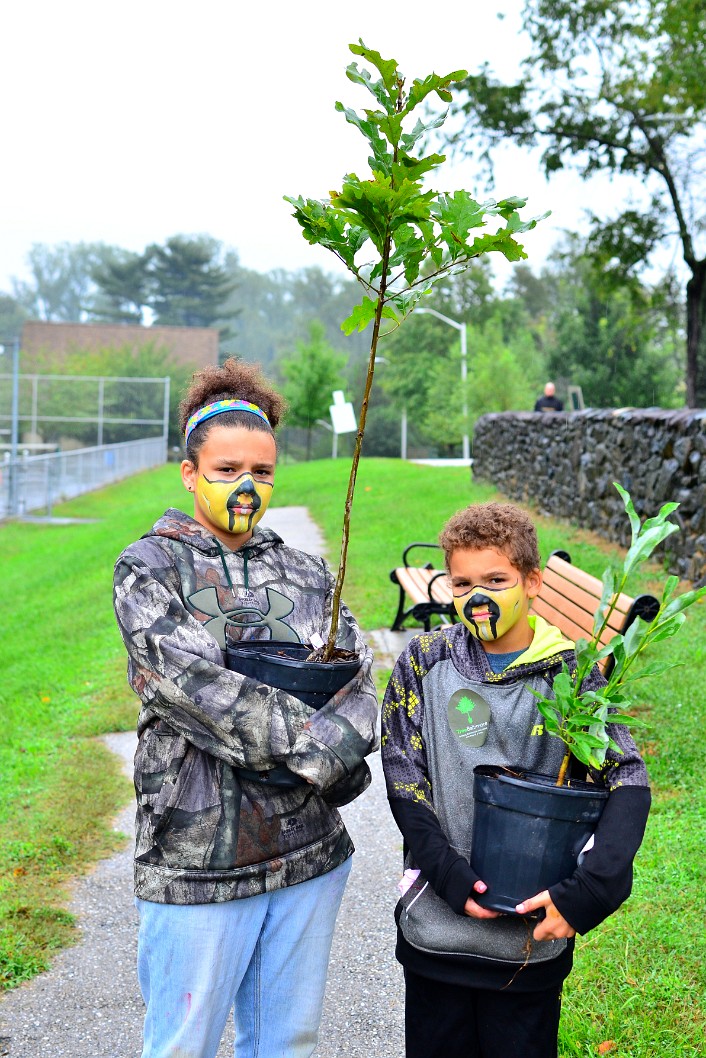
pixel 246 555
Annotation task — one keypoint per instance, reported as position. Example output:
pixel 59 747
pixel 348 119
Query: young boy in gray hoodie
pixel 473 988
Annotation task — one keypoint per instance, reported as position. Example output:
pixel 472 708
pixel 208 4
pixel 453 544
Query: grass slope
pixel 63 683
pixel 639 987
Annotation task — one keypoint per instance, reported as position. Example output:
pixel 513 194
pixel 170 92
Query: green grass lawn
pixel 639 986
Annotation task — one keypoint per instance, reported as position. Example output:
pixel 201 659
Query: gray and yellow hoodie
pixel 204 832
pixel 445 711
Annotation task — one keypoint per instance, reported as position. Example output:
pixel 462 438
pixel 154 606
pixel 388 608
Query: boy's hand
pixel 553 926
pixel 474 910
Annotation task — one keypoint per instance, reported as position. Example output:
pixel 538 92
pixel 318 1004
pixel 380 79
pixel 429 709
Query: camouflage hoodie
pixel 204 832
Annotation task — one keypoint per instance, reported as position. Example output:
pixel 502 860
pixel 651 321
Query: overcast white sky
pixel 129 122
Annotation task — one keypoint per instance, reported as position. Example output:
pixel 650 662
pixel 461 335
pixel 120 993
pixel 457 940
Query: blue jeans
pixel 266 956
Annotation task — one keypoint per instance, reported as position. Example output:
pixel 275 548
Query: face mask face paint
pixel 489 613
pixel 235 506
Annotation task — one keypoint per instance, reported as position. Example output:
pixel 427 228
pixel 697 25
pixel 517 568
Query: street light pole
pixel 462 329
pixel 14 424
pixel 403 420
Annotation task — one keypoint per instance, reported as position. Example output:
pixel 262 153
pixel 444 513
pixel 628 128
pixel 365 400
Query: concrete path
pixel 89 1005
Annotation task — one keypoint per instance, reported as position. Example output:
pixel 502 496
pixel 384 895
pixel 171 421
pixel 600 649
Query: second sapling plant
pixel 581 718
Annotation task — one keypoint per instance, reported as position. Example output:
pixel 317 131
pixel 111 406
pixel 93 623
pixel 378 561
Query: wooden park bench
pixel 569 598
pixel 425 591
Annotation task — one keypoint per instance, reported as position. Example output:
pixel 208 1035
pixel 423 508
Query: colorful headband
pixel 217 408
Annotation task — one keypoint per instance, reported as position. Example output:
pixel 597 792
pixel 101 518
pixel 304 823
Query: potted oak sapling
pixel 529 829
pixel 397 237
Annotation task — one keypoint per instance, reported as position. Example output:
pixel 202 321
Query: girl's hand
pixel 553 926
pixel 474 910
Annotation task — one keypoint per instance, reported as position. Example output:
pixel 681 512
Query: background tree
pixel 412 356
pixel 468 296
pixel 311 375
pixel 123 288
pixel 612 338
pixel 504 374
pixel 12 316
pixel 187 281
pixel 616 86
pixel 270 310
pixel 61 287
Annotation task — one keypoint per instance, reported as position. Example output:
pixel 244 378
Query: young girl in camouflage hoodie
pixel 238 878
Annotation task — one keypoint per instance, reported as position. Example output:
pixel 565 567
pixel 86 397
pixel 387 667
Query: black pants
pixel 450 1021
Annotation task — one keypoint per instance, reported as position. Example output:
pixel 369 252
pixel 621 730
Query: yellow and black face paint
pixel 235 506
pixel 489 613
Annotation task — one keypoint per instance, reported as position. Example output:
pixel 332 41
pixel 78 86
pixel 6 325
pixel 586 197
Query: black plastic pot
pixel 527 832
pixel 284 665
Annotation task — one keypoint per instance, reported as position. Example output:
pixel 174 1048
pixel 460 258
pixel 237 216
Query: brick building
pixel 195 346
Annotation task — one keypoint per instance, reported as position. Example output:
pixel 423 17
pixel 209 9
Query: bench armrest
pixel 432 582
pixel 429 565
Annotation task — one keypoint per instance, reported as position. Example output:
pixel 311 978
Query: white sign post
pixel 342 418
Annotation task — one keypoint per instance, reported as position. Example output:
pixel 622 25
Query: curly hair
pixel 501 526
pixel 235 380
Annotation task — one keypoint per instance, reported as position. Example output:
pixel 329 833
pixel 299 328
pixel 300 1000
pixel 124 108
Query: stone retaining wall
pixel 565 464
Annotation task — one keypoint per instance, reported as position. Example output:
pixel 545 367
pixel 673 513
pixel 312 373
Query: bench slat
pixel 590 584
pixel 580 607
pixel 565 624
pixel 416 580
pixel 441 590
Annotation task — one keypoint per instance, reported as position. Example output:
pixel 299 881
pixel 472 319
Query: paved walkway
pixel 88 1005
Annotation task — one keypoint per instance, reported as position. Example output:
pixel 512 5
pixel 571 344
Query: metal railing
pixel 35 483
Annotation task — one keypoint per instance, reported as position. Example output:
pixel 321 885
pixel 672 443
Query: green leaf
pixel 654 668
pixel 382 154
pixel 385 90
pixel 391 128
pixel 634 637
pixel 607 594
pixel 582 753
pixel 682 602
pixel 551 718
pixel 400 305
pixel 608 649
pixel 415 168
pixel 646 543
pixel 507 206
pixel 433 83
pixel 626 720
pixel 360 317
pixel 661 517
pixel 630 508
pixel 410 138
pixel 500 242
pixel 459 213
pixel 594 741
pixel 667 629
pixel 563 684
pixel 324 225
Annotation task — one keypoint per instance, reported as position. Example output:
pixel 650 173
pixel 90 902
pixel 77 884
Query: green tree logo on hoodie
pixel 465 705
pixel 469 717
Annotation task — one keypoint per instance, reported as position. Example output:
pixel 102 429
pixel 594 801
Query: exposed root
pixel 526 951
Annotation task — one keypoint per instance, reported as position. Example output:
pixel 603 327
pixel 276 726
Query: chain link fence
pixel 62 435
pixel 35 483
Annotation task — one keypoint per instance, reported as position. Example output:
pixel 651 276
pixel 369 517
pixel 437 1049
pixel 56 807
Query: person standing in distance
pixel 549 400
pixel 241 856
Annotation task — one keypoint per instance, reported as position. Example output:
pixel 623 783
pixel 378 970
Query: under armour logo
pixel 278 607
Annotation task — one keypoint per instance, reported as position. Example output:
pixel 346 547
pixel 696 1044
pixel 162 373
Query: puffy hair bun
pixel 234 380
